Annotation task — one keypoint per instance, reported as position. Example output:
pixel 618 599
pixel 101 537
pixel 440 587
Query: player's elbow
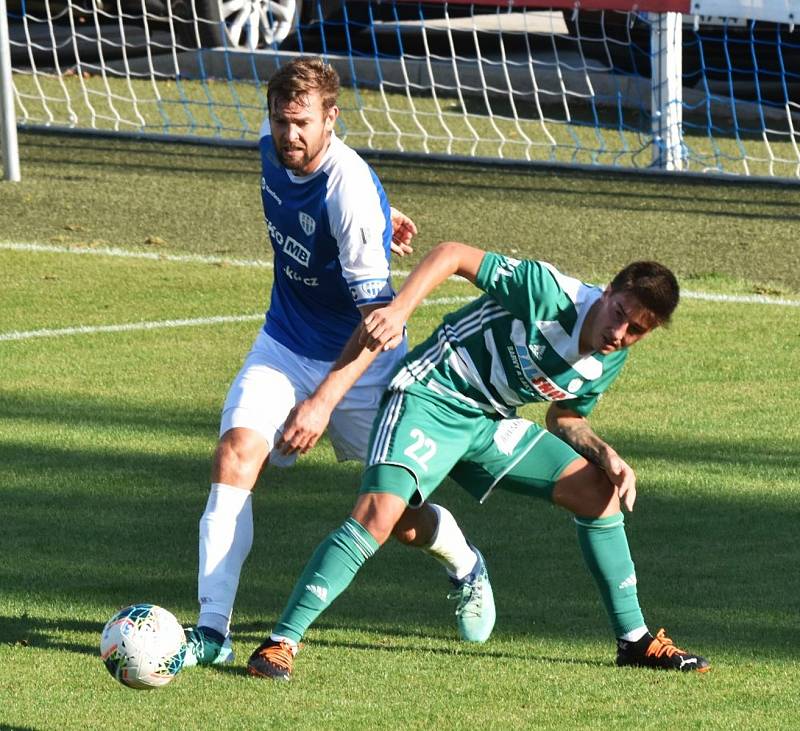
pixel 552 419
pixel 462 259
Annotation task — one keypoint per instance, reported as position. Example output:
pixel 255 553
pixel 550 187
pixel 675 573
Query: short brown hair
pixel 653 285
pixel 303 76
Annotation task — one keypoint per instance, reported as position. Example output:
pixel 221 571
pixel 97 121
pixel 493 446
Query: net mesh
pixel 501 83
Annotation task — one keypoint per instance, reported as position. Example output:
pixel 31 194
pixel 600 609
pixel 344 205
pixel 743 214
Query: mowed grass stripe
pixel 107 441
pixel 116 252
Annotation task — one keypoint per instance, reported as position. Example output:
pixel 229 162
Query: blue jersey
pixel 331 233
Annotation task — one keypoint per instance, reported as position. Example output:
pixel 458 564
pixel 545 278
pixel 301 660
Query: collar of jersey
pixel 566 345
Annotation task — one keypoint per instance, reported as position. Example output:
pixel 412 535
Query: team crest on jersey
pixel 307 223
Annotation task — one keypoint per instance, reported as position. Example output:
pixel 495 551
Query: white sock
pixel 226 535
pixel 635 635
pixel 292 644
pixel 449 546
pixel 219 622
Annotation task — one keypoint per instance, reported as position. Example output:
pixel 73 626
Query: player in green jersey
pixel 536 335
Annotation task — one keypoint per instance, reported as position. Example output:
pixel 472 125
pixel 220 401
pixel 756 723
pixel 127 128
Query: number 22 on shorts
pixel 422 449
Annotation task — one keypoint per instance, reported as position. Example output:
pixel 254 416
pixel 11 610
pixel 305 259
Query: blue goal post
pixel 691 86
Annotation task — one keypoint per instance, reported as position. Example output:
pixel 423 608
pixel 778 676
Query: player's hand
pixel 303 427
pixel 622 477
pixel 382 329
pixel 403 230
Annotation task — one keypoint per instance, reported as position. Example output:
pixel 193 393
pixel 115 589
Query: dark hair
pixel 301 77
pixel 653 285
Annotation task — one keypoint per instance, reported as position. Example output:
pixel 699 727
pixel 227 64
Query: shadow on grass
pixel 139 155
pixel 105 528
pixel 38 632
pixel 666 194
pixel 482 651
pixel 79 412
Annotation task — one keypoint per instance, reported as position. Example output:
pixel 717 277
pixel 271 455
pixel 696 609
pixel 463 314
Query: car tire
pixel 246 25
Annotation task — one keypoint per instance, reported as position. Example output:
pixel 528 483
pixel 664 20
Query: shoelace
pixel 196 644
pixel 663 645
pixel 279 654
pixel 470 597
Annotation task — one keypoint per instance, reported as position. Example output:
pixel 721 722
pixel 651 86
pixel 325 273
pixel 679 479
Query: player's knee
pixel 378 513
pixel 238 458
pixel 584 489
pixel 416 527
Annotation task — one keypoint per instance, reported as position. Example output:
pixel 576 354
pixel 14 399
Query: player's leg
pixel 398 474
pixel 432 528
pixel 584 489
pixel 258 401
pixel 524 458
pixel 330 570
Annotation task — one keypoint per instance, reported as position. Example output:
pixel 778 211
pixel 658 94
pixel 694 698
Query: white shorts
pixel 273 379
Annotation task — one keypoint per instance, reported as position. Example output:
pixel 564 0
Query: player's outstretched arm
pixel 309 418
pixel 403 231
pixel 574 429
pixel 383 328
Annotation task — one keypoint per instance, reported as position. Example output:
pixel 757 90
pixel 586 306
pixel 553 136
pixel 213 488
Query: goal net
pixel 706 85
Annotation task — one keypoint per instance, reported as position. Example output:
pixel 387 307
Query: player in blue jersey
pixel 536 335
pixel 331 230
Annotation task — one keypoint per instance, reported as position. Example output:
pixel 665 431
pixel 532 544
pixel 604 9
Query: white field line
pixel 129 327
pixel 167 324
pixel 125 254
pixel 253 263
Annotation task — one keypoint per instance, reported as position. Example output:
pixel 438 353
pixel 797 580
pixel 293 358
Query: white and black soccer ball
pixel 143 646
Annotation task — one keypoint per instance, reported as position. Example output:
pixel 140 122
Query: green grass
pixel 105 440
pixel 591 133
pixel 728 238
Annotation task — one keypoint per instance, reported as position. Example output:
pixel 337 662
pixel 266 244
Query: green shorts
pixel 416 442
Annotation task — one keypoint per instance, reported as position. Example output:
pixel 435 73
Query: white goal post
pixel 698 86
pixel 9 149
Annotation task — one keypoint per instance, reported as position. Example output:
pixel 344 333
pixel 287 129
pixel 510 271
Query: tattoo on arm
pixel 579 435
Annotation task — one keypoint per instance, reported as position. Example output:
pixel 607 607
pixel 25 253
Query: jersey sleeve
pixel 360 221
pixel 584 403
pixel 524 288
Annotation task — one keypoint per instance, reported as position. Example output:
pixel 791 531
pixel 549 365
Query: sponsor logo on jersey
pixel 297 277
pixel 534 377
pixel 297 251
pixel 537 351
pixel 307 223
pixel 289 245
pixel 269 190
pixel 509 433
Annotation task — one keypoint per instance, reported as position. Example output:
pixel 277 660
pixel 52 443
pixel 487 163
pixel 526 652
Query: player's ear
pixel 330 118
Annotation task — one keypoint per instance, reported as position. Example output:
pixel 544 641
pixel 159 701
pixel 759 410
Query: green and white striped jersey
pixel 516 344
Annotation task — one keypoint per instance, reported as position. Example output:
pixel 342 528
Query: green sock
pixel 605 550
pixel 327 574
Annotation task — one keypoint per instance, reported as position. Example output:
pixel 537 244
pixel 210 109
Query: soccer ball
pixel 143 646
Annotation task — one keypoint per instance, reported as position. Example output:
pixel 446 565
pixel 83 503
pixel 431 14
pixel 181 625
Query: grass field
pixel 589 133
pixel 115 361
